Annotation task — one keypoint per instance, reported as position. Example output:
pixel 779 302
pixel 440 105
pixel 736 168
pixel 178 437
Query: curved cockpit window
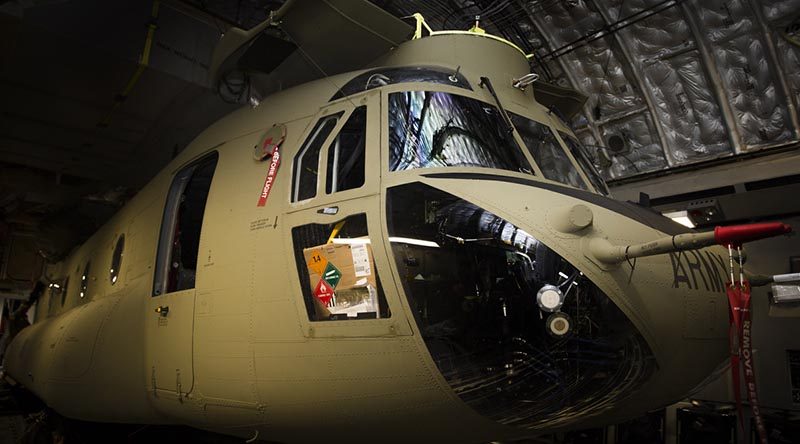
pixel 519 333
pixel 547 153
pixel 116 259
pixel 376 78
pixel 437 129
pixel 580 155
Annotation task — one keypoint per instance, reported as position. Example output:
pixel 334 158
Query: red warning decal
pixel 271 173
pixel 324 292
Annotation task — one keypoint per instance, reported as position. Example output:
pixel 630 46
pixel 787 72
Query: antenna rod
pixel 734 235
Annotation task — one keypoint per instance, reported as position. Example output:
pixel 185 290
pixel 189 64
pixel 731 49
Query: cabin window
pixel 306 163
pixel 379 77
pixel 64 288
pixel 50 296
pixel 176 263
pixel 346 154
pixel 337 271
pixel 547 153
pixel 580 155
pixel 116 259
pixel 85 280
pixel 437 129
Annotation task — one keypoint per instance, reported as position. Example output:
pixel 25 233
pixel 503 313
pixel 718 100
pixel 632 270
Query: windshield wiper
pixel 506 119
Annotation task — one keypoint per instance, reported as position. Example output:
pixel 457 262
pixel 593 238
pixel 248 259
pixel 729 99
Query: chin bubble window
pixel 337 271
pixel 519 333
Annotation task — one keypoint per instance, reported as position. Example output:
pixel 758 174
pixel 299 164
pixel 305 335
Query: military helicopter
pixel 412 248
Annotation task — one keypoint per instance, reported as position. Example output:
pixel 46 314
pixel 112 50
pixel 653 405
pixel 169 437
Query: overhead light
pixel 412 241
pixel 681 217
pixel 350 241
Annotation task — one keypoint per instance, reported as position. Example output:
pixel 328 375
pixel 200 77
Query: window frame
pixel 297 164
pixel 396 177
pixel 372 150
pixel 180 180
pixel 332 170
pixel 383 311
pixel 394 325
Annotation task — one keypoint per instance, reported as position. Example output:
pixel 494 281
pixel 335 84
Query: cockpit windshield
pixel 430 129
pixel 437 129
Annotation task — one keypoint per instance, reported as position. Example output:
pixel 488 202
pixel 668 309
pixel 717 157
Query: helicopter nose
pixel 521 334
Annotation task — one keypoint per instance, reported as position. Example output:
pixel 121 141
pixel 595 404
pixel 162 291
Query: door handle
pixel 162 310
pixel 328 210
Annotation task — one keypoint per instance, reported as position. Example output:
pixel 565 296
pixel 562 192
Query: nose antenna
pixel 734 236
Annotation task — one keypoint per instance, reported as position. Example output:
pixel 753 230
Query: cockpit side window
pixel 306 162
pixel 438 129
pixel 547 153
pixel 579 153
pixel 337 271
pixel 346 154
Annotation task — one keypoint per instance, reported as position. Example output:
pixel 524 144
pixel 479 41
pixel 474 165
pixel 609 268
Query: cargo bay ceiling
pixel 670 86
pixel 669 83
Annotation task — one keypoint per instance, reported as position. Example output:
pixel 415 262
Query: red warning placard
pixel 324 292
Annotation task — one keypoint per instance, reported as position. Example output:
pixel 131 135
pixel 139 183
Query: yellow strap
pixel 144 61
pixel 336 230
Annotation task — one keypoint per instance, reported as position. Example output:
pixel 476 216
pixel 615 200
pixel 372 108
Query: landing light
pixel 681 217
pixel 550 298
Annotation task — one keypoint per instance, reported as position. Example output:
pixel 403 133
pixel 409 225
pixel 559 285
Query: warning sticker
pixel 360 260
pixel 317 263
pixel 332 275
pixel 270 180
pixel 323 292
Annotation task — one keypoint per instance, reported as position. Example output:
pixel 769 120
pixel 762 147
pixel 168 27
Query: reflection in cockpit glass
pixel 437 129
pixel 519 333
pixel 579 153
pixel 547 153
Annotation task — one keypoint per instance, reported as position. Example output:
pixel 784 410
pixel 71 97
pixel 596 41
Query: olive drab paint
pixel 236 350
